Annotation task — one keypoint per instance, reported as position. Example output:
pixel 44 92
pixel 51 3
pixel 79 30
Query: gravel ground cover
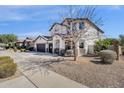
pixel 92 73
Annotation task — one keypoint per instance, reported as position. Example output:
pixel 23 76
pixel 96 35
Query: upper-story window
pixel 81 25
pixel 56 30
pixel 68 23
pixel 74 26
pixel 98 34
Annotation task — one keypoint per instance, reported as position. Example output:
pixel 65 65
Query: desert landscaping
pixel 89 73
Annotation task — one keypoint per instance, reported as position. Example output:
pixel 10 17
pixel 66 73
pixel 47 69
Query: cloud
pixel 32 33
pixel 28 13
pixel 23 13
pixel 10 15
pixel 115 7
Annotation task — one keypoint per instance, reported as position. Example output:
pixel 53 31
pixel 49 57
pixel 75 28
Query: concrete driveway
pixel 34 72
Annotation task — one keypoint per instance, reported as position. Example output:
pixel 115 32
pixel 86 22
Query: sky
pixel 36 20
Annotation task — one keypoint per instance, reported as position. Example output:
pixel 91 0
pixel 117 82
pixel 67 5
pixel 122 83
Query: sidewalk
pixel 48 79
pixel 20 82
pixel 40 79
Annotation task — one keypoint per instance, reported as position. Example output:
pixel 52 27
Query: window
pixel 67 45
pixel 81 45
pixel 81 25
pixel 74 26
pixel 56 30
pixel 57 42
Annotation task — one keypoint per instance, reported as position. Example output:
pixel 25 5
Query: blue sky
pixel 36 20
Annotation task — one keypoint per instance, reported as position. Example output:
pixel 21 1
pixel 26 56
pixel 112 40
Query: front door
pixel 81 49
pixel 50 47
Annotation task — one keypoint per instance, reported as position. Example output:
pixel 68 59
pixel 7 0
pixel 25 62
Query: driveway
pixel 32 66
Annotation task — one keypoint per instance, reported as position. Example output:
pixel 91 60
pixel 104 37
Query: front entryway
pixel 50 47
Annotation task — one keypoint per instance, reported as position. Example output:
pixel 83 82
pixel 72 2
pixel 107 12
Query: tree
pixel 108 43
pixel 90 12
pixel 102 44
pixel 7 38
pixel 105 44
pixel 87 12
pixel 122 40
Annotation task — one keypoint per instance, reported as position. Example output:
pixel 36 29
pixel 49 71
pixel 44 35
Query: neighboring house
pixel 61 40
pixel 25 43
pixel 19 43
pixel 28 42
pixel 43 44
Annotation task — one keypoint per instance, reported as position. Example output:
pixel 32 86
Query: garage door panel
pixel 41 47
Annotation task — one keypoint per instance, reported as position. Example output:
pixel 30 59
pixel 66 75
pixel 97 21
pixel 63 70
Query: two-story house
pixel 61 40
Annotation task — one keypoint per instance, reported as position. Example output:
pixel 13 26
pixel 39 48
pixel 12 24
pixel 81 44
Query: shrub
pixel 103 44
pixel 56 50
pixel 62 52
pixel 18 47
pixel 31 48
pixel 98 48
pixel 23 50
pixel 15 49
pixel 108 56
pixel 69 53
pixel 11 45
pixel 122 50
pixel 7 67
pixel 7 47
pixel 121 40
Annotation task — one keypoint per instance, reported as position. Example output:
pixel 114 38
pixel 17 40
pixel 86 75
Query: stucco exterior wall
pixel 61 42
pixel 58 29
pixel 89 39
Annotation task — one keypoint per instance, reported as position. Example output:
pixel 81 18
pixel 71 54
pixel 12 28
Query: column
pixel 62 45
pixel 53 46
pixel 46 49
pixel 77 49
